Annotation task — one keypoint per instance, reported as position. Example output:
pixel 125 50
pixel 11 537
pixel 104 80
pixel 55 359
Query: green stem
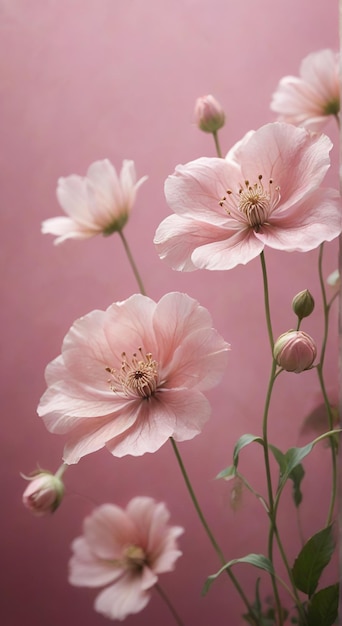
pixel 217 144
pixel 208 530
pixel 169 605
pixel 326 310
pixel 266 300
pixel 132 263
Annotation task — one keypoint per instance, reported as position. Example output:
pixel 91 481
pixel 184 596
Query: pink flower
pixel 128 548
pixel 101 202
pixel 132 376
pixel 209 114
pixel 265 192
pixel 44 492
pixel 295 351
pixel 309 100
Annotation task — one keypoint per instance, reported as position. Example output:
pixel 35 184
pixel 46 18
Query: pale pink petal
pixel 97 203
pixel 177 316
pixel 93 434
pixel 317 219
pixel 128 326
pixel 274 145
pixel 177 238
pixel 195 190
pixel 309 99
pixel 199 360
pixel 107 530
pixel 177 413
pixel 122 599
pixel 241 247
pixel 86 570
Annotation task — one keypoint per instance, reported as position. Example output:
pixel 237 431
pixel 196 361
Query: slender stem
pixel 326 310
pixel 266 300
pixel 132 262
pixel 169 605
pixel 217 144
pixel 208 530
pixel 61 470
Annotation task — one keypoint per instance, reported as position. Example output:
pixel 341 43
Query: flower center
pixel 254 201
pixel 136 377
pixel 134 557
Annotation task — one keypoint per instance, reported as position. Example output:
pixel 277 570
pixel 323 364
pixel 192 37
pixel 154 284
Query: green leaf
pixel 227 473
pixel 258 560
pixel 245 440
pixel 312 560
pixel 323 607
pixel 297 476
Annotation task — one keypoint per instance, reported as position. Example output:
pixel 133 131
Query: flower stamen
pixel 136 377
pixel 254 201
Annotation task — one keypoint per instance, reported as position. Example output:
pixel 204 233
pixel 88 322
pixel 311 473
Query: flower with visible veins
pixel 100 202
pixel 127 550
pixel 310 99
pixel 132 376
pixel 266 192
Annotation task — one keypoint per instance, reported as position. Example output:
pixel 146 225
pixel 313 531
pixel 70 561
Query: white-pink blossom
pixel 124 550
pixel 132 376
pixel 308 100
pixel 44 492
pixel 100 202
pixel 266 192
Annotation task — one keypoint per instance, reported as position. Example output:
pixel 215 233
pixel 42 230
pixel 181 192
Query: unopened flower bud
pixel 303 304
pixel 44 493
pixel 295 351
pixel 209 114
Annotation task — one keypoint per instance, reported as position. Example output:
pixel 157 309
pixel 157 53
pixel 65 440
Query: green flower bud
pixel 303 304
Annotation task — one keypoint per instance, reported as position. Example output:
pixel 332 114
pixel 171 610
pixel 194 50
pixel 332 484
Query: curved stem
pixel 326 310
pixel 267 301
pixel 169 605
pixel 61 470
pixel 132 263
pixel 217 144
pixel 208 530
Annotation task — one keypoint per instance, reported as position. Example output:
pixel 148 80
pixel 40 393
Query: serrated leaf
pixel 258 560
pixel 323 607
pixel 312 559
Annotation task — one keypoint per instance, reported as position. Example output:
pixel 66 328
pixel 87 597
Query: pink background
pixel 88 79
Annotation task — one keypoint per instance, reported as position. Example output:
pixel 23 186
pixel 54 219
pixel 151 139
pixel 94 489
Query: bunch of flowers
pixel 134 376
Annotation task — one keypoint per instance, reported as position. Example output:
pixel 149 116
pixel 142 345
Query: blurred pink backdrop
pixel 88 79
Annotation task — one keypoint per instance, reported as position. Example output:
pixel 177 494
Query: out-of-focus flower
pixel 100 202
pixel 311 98
pixel 295 351
pixel 44 492
pixel 132 376
pixel 265 192
pixel 303 304
pixel 209 115
pixel 127 550
pixel 334 279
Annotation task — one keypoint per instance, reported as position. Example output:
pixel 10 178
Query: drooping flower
pixel 265 192
pixel 132 376
pixel 124 550
pixel 100 202
pixel 209 114
pixel 44 492
pixel 295 351
pixel 308 100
